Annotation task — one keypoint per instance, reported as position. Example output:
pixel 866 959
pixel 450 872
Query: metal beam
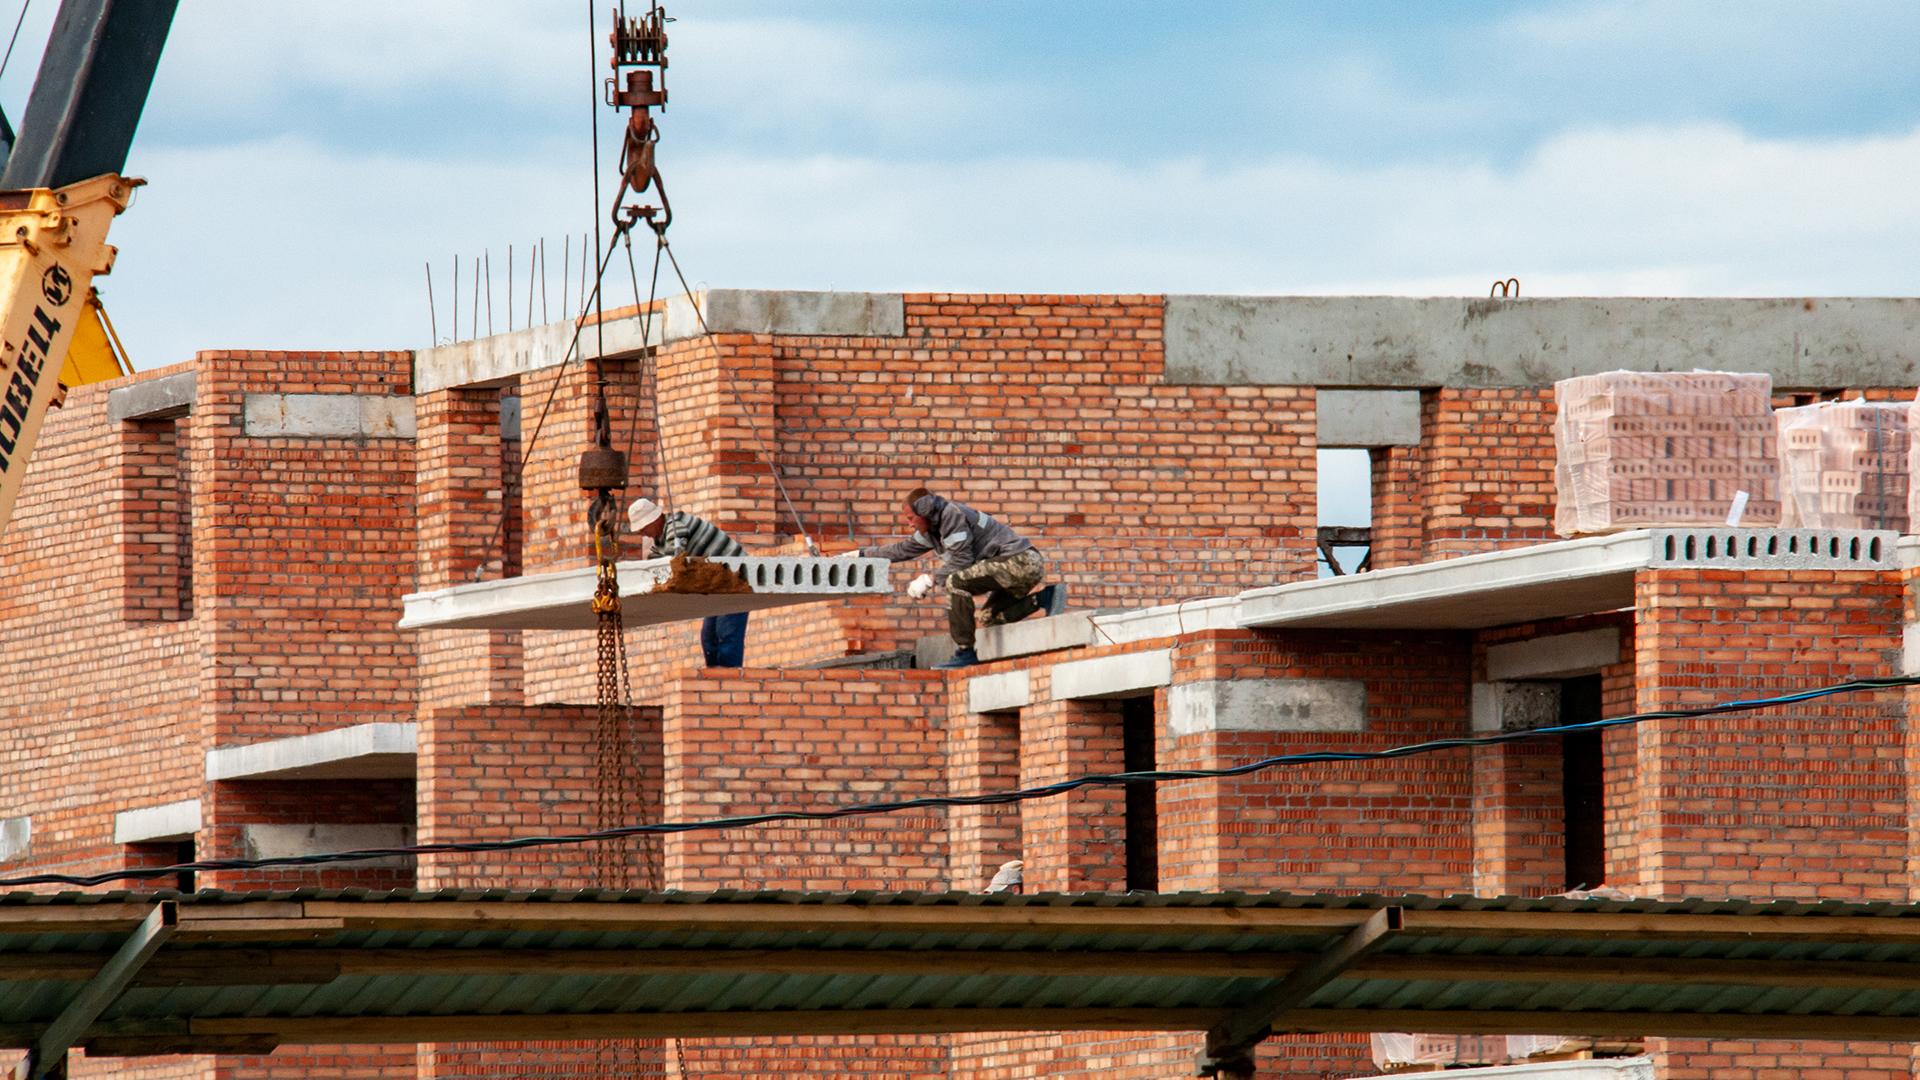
pixel 92 85
pixel 49 1054
pixel 1230 1043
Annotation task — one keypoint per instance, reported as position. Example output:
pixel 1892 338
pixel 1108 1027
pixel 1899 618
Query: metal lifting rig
pixel 639 49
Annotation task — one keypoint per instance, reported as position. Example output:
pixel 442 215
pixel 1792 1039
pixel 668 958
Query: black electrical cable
pixel 1001 798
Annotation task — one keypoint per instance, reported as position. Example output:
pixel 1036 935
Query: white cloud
pixel 283 243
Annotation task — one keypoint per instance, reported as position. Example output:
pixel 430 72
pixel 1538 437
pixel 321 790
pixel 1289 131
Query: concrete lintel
pixel 152 824
pixel 152 399
pixel 819 314
pixel 16 836
pixel 363 752
pixel 1514 706
pixel 1123 676
pixel 1267 705
pixel 1002 691
pixel 493 360
pixel 329 416
pixel 1907 552
pixel 1556 656
pixel 499 358
pixel 1630 1068
pixel 561 600
pixel 1367 418
pixel 1166 620
pixel 286 841
pixel 1069 630
pixel 1910 649
pixel 510 418
pixel 1386 341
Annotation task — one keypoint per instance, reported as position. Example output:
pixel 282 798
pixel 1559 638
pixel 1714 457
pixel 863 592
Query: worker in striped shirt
pixel 723 638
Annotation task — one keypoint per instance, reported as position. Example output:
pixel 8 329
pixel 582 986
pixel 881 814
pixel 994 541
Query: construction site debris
pixel 702 577
pixel 1844 465
pixel 1637 449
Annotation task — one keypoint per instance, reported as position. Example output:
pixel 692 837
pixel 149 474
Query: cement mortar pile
pixel 1639 449
pixel 698 577
pixel 1844 465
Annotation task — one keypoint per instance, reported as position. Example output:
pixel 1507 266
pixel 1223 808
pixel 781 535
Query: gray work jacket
pixel 962 535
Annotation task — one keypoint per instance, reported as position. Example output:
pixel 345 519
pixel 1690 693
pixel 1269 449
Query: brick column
pixel 1074 842
pixel 1806 801
pixel 468 530
pixel 983 755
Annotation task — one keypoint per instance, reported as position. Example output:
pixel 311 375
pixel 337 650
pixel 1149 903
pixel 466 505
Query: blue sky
pixel 307 160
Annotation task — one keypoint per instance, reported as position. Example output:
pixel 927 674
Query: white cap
pixel 642 513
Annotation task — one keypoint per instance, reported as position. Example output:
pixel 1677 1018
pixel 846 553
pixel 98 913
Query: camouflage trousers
pixel 1005 581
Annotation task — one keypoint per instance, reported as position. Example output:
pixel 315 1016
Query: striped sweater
pixel 684 534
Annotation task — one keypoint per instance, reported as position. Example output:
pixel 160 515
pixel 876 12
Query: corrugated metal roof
pixel 246 970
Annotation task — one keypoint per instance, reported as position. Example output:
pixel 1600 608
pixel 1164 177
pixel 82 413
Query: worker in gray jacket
pixel 979 556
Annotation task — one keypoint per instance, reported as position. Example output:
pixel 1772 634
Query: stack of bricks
pixel 1637 449
pixel 1844 465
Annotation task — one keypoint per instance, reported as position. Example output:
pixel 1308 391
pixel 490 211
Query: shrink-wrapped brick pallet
pixel 1638 449
pixel 1844 465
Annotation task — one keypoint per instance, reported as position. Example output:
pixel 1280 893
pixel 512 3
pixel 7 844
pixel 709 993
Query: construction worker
pixel 980 556
pixel 723 638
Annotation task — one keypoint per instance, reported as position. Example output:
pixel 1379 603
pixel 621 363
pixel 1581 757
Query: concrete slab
pixel 329 416
pixel 1267 705
pixel 1123 676
pixel 288 841
pixel 1570 577
pixel 1367 418
pixel 153 399
pixel 1556 656
pixel 1385 341
pixel 560 601
pixel 1002 691
pixel 152 824
pixel 1166 620
pixel 1068 630
pixel 361 752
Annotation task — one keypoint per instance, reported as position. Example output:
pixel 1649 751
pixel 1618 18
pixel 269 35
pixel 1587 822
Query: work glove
pixel 920 586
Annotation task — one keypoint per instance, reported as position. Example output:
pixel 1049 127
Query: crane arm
pixel 63 189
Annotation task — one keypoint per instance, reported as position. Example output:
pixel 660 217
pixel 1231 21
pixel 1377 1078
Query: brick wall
pixel 744 741
pixel 303 549
pixel 97 704
pixel 500 771
pixel 1802 801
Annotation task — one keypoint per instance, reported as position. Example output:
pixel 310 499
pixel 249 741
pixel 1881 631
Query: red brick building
pixel 200 592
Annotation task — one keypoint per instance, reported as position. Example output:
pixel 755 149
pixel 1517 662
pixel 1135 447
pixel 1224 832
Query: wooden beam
pixel 152 1045
pixel 1724 1025
pixel 49 1054
pixel 1660 971
pixel 693 1025
pixel 800 918
pixel 1230 1042
pixel 1624 924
